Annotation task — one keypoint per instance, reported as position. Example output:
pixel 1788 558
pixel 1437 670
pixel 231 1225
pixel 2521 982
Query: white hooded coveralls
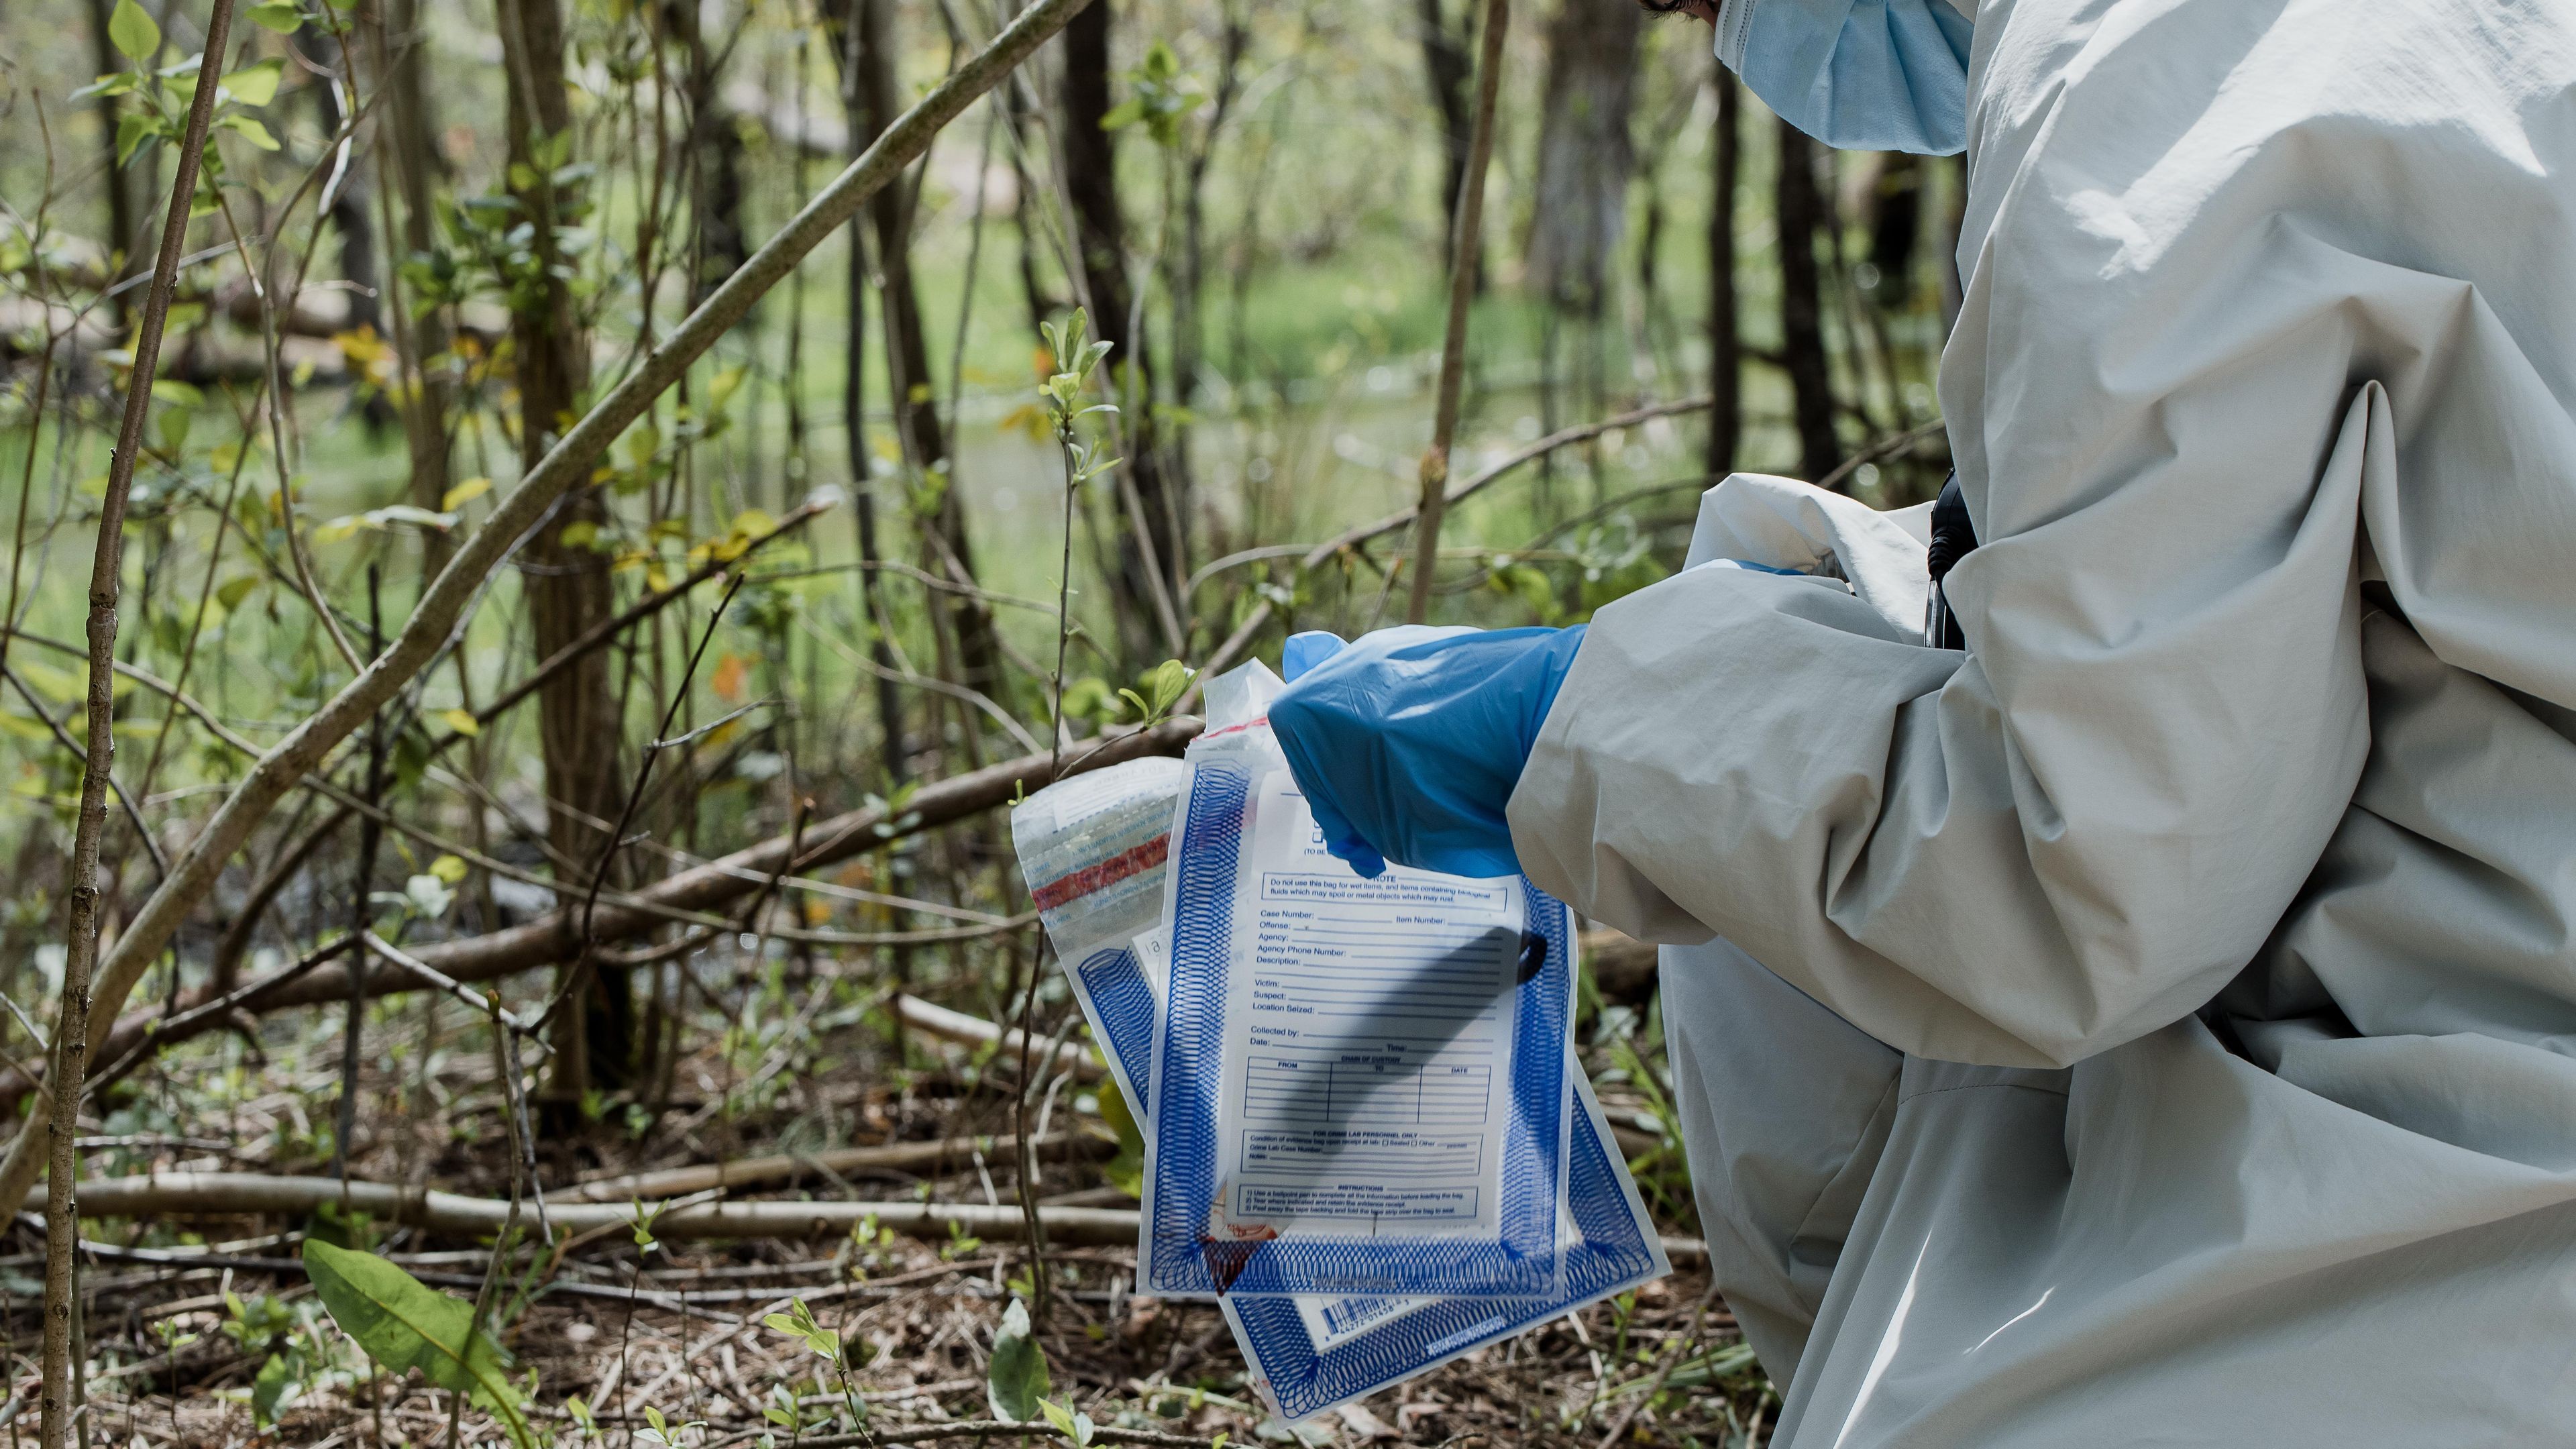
pixel 2164 1029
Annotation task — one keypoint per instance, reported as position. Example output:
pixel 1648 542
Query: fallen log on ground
pixel 557 935
pixel 240 1194
pixel 767 1172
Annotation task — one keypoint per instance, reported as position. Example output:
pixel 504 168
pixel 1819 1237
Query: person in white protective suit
pixel 2154 1023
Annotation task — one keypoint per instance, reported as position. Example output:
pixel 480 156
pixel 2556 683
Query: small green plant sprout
pixel 1162 687
pixel 1074 360
pixel 268 1329
pixel 661 1433
pixel 867 1244
pixel 1015 1379
pixel 173 1335
pixel 784 1409
pixel 1069 1422
pixel 798 1322
pixel 640 1219
pixel 583 1418
pixel 960 1244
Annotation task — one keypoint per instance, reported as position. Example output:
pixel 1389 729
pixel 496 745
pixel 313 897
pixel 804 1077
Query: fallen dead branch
pixel 239 1194
pixel 234 1194
pixel 765 1172
pixel 957 1026
pixel 995 1429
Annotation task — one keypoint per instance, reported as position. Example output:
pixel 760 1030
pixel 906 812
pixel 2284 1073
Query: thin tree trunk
pixel 1446 68
pixel 411 150
pixel 70 1056
pixel 1189 344
pixel 909 385
pixel 1585 156
pixel 1100 235
pixel 121 235
pixel 567 583
pixel 1802 324
pixel 1725 329
pixel 854 417
pixel 715 145
pixel 359 265
pixel 1432 474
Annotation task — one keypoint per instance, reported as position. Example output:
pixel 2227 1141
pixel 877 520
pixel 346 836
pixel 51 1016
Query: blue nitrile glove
pixel 1407 743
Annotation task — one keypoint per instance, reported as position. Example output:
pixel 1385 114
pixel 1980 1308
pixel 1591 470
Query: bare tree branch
pixel 567 463
pixel 73 1020
pixel 557 935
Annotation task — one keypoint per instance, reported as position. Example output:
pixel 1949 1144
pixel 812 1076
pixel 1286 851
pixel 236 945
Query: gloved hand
pixel 1407 743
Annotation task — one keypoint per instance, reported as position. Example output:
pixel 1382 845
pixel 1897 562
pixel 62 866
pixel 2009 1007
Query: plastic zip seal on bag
pixel 1094 850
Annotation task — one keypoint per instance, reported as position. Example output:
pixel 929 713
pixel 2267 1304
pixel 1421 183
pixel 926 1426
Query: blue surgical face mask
pixel 1860 75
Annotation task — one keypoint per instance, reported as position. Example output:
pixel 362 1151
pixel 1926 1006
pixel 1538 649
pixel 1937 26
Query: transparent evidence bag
pixel 1366 1134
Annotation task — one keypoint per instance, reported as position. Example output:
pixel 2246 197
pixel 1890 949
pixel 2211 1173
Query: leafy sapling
pixel 799 1323
pixel 1163 687
pixel 1015 1379
pixel 1062 396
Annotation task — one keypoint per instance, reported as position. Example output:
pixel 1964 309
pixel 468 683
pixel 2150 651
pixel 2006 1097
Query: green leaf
pixel 1015 1381
pixel 132 31
pixel 1126 1171
pixel 281 16
pixel 133 129
pixel 270 1391
pixel 256 85
pixel 250 130
pixel 799 1323
pixel 1164 685
pixel 1074 1426
pixel 404 1324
